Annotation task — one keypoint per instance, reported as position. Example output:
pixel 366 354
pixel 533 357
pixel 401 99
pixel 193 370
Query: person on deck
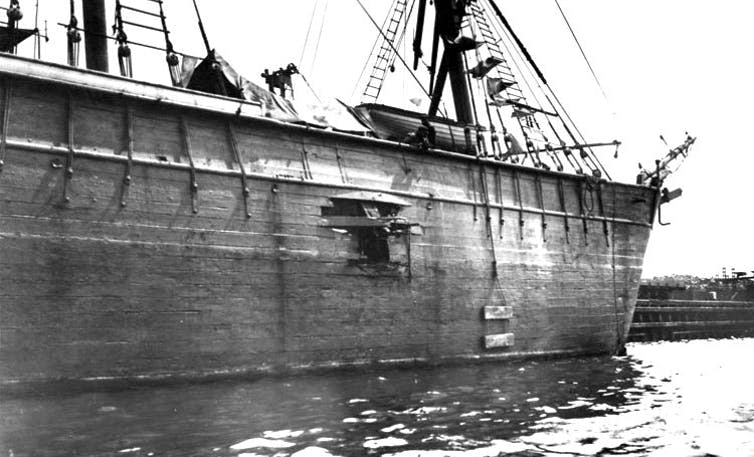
pixel 424 137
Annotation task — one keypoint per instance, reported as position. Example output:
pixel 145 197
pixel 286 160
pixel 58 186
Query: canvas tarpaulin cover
pixel 199 74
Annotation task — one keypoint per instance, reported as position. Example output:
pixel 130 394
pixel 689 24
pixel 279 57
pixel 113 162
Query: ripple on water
pixel 683 398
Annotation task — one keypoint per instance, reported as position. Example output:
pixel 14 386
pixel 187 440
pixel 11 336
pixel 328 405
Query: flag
pixel 484 67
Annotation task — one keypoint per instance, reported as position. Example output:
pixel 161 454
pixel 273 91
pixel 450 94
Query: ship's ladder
pixel 491 58
pixel 386 44
pixel 137 15
pixel 478 26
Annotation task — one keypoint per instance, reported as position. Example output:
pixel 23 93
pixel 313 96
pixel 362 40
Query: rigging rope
pixel 37 38
pixel 596 79
pixel 398 54
pixel 308 34
pixel 527 154
pixel 310 87
pixel 124 51
pixel 506 27
pixel 504 33
pixel 319 38
pixel 519 43
pixel 74 38
pixel 524 56
pixel 400 41
pixel 371 53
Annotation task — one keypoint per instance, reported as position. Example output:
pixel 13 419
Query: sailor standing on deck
pixel 424 136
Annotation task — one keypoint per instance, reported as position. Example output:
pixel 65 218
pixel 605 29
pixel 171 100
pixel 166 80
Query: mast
pixel 95 26
pixel 450 13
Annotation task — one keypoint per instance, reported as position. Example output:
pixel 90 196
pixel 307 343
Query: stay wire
pixel 400 39
pixel 586 59
pixel 372 52
pixel 310 87
pixel 593 156
pixel 566 115
pixel 596 79
pixel 319 37
pixel 505 35
pixel 520 123
pixel 308 34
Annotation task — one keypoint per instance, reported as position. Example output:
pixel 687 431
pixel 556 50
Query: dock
pixel 656 319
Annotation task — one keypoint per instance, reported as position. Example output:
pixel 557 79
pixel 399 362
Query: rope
pixel 596 79
pixel 573 137
pixel 524 55
pixel 400 41
pixel 308 34
pixel 319 37
pixel 519 43
pixel 389 58
pixel 168 43
pixel 371 53
pixel 393 48
pixel 310 87
pixel 589 186
pixel 471 91
pixel 615 286
pixel 562 108
pixel 494 138
pixel 74 37
pixel 207 47
pixel 124 51
pixel 533 121
pixel 562 13
pixel 37 38
pixel 505 33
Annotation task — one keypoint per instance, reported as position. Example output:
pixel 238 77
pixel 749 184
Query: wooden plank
pixel 695 309
pixel 501 340
pixel 704 323
pixel 498 313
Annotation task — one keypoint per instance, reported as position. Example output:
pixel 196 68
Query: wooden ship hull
pixel 148 232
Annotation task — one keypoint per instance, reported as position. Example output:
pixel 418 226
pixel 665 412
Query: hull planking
pixel 150 233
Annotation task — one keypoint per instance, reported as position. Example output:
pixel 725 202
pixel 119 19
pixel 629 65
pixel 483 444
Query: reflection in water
pixel 688 398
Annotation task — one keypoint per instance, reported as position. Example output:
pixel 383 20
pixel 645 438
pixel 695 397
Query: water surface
pixel 692 398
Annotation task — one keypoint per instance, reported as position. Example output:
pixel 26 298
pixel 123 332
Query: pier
pixel 656 319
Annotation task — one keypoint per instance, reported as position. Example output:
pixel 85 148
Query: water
pixel 665 399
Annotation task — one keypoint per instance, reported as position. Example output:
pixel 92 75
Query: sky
pixel 667 67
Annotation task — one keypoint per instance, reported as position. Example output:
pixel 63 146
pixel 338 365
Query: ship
pixel 212 228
